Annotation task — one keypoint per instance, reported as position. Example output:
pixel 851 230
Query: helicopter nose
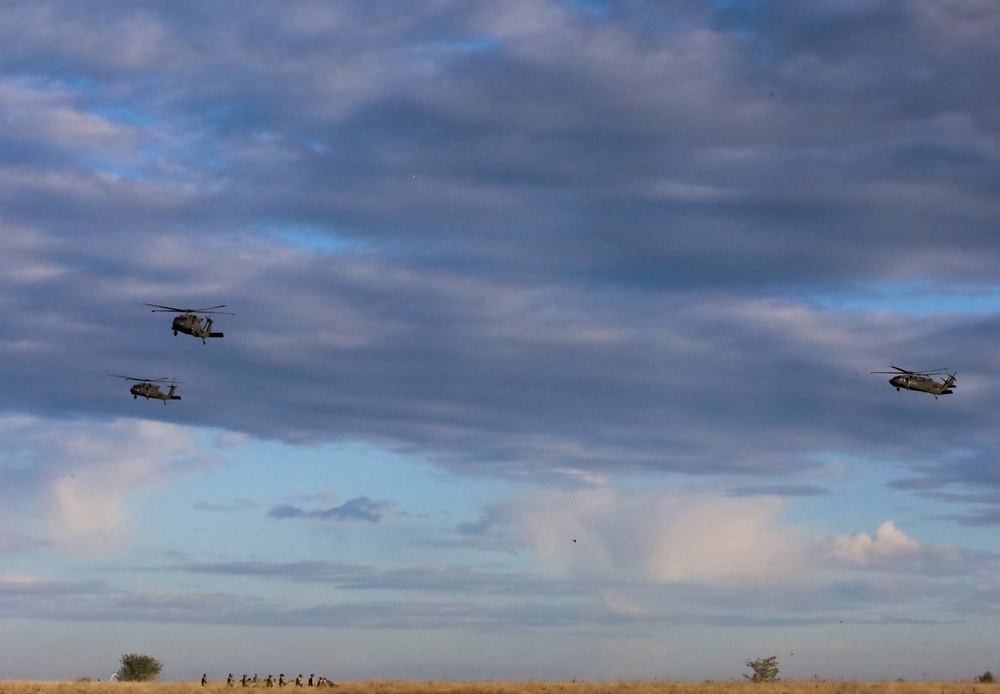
pixel 896 381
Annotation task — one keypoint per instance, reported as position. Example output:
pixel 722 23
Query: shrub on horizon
pixel 764 669
pixel 136 667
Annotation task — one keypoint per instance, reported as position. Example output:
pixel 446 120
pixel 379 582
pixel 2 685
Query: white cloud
pixel 863 550
pixel 78 479
pixel 110 466
pixel 668 537
pixel 657 537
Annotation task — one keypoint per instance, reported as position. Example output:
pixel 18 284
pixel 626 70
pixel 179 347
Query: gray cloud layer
pixel 512 237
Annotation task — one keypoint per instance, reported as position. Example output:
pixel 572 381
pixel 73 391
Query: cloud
pixel 892 550
pixel 76 480
pixel 566 244
pixel 215 507
pixel 656 537
pixel 13 541
pixel 667 538
pixel 861 549
pixel 358 509
pixel 779 490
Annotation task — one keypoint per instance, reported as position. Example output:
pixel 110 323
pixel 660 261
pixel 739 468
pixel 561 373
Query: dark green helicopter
pixel 923 381
pixel 147 388
pixel 189 323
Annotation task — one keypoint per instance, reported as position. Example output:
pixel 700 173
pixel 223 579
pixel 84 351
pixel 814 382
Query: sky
pixel 552 338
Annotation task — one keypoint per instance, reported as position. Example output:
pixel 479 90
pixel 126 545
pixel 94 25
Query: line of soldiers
pixel 255 681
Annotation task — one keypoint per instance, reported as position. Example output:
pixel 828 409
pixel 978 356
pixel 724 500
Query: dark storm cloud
pixel 565 240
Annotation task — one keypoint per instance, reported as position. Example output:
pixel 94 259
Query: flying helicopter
pixel 189 323
pixel 923 381
pixel 147 388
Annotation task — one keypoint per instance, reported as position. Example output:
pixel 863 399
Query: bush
pixel 764 669
pixel 136 667
pixel 986 678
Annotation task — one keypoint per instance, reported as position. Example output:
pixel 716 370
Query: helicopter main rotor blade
pixel 157 308
pixel 931 372
pixel 141 380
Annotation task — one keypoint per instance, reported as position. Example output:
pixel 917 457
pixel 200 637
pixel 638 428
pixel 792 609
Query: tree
pixel 136 667
pixel 764 669
pixel 986 678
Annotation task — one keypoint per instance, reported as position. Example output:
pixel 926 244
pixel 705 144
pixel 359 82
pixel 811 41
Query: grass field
pixel 458 687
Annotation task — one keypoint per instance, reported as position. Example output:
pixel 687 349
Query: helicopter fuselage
pixel 924 384
pixel 152 391
pixel 190 324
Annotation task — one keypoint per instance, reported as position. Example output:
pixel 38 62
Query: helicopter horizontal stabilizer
pixel 215 334
pixel 175 397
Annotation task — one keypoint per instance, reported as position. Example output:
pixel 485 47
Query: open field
pixel 459 687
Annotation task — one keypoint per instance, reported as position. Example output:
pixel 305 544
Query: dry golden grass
pixel 459 687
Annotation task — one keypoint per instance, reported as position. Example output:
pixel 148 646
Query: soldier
pixel 298 680
pixel 229 680
pixel 245 680
pixel 204 680
pixel 311 675
pixel 281 680
pixel 270 681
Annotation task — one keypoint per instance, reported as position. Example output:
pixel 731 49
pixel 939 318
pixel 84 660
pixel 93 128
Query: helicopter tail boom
pixel 949 383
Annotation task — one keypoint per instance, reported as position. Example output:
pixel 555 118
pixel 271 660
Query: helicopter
pixel 147 388
pixel 921 380
pixel 189 323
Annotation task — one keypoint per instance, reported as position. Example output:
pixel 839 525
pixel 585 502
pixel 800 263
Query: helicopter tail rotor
pixel 949 385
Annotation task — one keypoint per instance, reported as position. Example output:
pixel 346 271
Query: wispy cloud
pixel 77 485
pixel 358 509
